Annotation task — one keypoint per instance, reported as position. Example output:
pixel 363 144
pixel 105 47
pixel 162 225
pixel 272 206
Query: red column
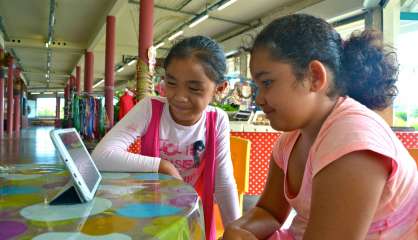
pixel 66 96
pixel 16 117
pixel 77 79
pixel 146 18
pixel 72 82
pixel 10 74
pixel 88 72
pixel 57 112
pixel 109 67
pixel 1 98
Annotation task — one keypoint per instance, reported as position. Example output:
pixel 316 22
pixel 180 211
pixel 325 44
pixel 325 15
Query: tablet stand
pixel 67 197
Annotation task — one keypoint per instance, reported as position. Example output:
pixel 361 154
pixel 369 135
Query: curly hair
pixel 206 50
pixel 363 67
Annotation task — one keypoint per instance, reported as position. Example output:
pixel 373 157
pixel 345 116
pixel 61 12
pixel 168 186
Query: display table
pixel 262 139
pixel 126 206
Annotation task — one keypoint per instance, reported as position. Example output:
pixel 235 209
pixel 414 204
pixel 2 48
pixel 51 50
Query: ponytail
pixel 362 66
pixel 369 70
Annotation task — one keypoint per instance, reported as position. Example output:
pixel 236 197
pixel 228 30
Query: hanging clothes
pixel 88 115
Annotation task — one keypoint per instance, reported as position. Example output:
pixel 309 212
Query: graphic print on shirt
pixel 186 159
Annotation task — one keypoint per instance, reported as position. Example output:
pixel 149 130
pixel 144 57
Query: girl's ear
pixel 318 76
pixel 221 86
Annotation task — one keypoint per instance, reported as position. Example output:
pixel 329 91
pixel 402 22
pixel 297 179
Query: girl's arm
pixel 111 154
pixel 270 212
pixel 345 196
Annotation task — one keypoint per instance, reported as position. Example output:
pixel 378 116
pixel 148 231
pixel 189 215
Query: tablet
pixel 84 173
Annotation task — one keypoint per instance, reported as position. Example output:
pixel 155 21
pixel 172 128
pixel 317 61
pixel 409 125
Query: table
pixel 126 206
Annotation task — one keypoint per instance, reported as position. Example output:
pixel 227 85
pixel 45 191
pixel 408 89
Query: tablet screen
pixel 81 158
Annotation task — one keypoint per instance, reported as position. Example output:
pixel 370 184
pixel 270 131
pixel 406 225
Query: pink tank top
pixel 352 127
pixel 205 185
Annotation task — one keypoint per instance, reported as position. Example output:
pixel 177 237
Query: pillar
pixel 16 117
pixel 243 64
pixel 72 84
pixel 77 79
pixel 109 67
pixel 88 72
pixel 57 112
pixel 1 98
pixel 386 20
pixel 146 18
pixel 10 74
pixel 66 106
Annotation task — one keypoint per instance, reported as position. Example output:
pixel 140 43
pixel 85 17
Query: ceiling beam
pixel 195 14
pixel 53 75
pixel 121 49
pixel 112 10
pixel 242 36
pixel 409 5
pixel 100 31
pixel 39 44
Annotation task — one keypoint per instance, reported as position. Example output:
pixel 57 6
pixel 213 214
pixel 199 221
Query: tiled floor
pixel 32 146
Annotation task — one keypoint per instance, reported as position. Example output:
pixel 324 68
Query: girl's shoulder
pixel 283 146
pixel 350 116
pixel 221 115
pixel 149 99
pixel 145 104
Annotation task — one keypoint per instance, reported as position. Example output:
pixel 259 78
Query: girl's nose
pixel 259 98
pixel 180 95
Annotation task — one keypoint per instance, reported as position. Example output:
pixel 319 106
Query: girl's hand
pixel 236 233
pixel 168 168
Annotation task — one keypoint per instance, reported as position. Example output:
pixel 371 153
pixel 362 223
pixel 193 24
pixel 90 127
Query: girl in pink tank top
pixel 337 164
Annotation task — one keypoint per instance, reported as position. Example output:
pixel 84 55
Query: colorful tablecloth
pixel 126 206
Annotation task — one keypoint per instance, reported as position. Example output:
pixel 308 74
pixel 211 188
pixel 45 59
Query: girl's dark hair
pixel 362 67
pixel 206 50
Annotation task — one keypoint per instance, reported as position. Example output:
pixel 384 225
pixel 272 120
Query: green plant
pixel 226 107
pixel 402 115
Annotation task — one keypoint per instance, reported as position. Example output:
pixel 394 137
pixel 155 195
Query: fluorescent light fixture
pixel 48 93
pixel 230 53
pixel 225 5
pixel 131 62
pixel 159 45
pixel 35 93
pixel 98 83
pixel 199 20
pixel 60 92
pixel 345 16
pixel 172 37
pixel 120 69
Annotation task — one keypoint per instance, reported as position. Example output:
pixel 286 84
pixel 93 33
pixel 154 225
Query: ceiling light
pixel 227 4
pixel 98 83
pixel 172 37
pixel 199 20
pixel 60 92
pixel 131 62
pixel 159 45
pixel 35 93
pixel 120 69
pixel 48 93
pixel 230 53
